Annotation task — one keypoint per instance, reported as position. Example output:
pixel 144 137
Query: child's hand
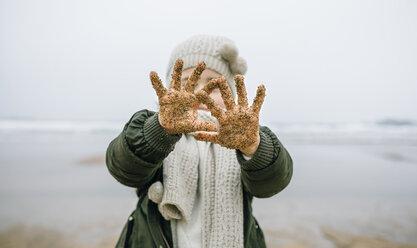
pixel 239 125
pixel 178 107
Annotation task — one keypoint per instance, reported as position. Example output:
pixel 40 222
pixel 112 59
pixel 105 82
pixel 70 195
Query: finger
pixel 157 84
pixel 176 75
pixel 211 85
pixel 195 76
pixel 259 99
pixel 227 96
pixel 208 126
pixel 242 98
pixel 214 108
pixel 209 137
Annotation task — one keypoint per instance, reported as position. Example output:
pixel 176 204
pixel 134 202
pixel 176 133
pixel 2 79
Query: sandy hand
pixel 239 125
pixel 178 107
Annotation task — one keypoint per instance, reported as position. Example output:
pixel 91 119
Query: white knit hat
pixel 219 53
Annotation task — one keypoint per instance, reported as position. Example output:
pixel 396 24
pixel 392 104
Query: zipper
pixel 129 230
pixel 163 236
pixel 154 219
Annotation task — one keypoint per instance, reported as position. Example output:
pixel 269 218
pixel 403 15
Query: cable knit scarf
pixel 222 199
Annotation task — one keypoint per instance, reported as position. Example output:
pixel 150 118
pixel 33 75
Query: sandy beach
pixel 55 191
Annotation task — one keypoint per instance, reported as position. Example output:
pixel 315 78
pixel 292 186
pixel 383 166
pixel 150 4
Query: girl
pixel 199 161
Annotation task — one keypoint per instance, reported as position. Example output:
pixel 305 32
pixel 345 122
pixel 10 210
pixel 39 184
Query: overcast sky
pixel 319 60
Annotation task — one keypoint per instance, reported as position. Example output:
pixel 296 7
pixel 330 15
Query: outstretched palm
pixel 239 125
pixel 178 106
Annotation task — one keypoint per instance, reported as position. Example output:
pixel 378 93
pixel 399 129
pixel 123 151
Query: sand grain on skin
pixel 239 125
pixel 178 107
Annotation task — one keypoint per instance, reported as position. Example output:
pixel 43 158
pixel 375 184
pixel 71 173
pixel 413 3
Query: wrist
pixel 250 150
pixel 163 124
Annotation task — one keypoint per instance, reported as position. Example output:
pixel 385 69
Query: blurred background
pixel 341 85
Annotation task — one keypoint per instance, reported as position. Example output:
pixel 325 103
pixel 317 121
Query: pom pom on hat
pixel 228 52
pixel 239 66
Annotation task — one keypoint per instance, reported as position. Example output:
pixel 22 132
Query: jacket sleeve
pixel 270 169
pixel 135 155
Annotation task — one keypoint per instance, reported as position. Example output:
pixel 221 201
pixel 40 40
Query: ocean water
pixel 357 178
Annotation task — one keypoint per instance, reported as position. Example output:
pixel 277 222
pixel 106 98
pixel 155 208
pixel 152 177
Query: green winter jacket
pixel 135 157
